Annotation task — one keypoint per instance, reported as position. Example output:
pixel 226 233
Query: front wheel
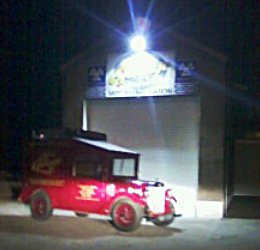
pixel 165 222
pixel 40 206
pixel 126 215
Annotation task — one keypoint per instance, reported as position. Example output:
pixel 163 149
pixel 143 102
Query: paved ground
pixel 79 233
pixel 68 232
pixel 65 231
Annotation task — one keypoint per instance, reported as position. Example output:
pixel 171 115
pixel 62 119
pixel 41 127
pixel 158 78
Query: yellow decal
pixel 46 164
pixel 47 182
pixel 86 192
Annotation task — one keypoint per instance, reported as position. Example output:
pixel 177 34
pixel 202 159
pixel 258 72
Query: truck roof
pixel 105 145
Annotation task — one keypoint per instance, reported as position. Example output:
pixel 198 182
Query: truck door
pixel 87 189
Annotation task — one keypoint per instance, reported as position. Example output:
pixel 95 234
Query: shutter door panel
pixel 166 133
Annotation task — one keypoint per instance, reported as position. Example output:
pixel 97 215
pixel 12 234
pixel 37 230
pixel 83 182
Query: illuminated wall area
pixel 166 104
pixel 160 129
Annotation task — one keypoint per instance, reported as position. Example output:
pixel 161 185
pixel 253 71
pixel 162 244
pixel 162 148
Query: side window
pixel 87 168
pixel 124 167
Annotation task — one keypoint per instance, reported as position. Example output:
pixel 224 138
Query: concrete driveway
pixel 68 232
pixel 65 231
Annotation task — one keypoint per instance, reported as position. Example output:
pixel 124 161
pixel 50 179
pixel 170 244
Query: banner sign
pixel 142 74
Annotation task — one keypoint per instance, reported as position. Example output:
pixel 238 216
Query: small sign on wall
pixel 186 83
pixel 96 82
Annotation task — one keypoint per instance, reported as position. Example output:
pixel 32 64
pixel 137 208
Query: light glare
pixel 138 43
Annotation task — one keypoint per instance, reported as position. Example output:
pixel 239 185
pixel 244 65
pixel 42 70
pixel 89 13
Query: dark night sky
pixel 39 36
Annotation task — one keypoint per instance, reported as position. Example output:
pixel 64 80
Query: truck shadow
pixel 76 228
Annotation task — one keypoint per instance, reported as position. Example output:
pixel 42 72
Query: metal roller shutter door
pixel 166 133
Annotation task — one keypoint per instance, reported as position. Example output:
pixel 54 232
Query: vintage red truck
pixel 86 174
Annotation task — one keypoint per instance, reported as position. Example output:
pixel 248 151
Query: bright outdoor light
pixel 138 43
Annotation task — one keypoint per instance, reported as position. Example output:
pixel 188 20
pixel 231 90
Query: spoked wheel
pixel 40 206
pixel 126 215
pixel 167 220
pixel 164 223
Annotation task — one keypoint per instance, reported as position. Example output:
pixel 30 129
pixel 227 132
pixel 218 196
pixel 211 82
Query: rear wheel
pixel 40 206
pixel 126 215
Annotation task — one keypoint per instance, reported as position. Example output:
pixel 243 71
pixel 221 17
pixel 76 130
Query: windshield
pixel 124 167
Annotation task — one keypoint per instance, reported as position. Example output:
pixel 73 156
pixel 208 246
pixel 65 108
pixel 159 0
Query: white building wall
pixel 166 133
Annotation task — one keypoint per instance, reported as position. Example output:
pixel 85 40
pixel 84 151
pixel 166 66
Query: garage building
pixel 179 129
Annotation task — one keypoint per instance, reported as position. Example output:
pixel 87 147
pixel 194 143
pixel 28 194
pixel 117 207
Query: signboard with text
pixel 142 74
